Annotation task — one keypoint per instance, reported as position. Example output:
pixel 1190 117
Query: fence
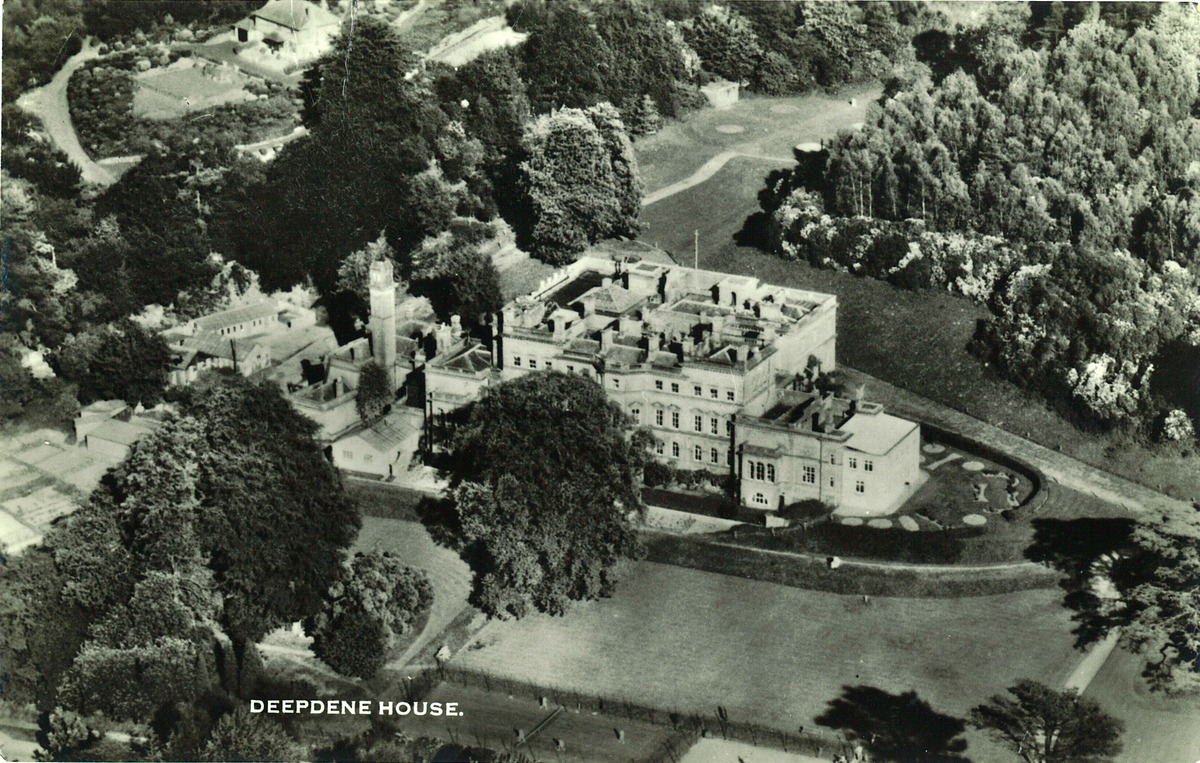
pixel 688 725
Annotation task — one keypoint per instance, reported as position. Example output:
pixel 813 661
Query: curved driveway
pixel 49 104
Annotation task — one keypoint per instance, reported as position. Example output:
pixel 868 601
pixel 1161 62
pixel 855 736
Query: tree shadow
pixel 753 232
pixel 898 727
pixel 1083 550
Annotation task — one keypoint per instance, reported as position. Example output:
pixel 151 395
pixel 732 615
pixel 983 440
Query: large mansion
pixel 722 369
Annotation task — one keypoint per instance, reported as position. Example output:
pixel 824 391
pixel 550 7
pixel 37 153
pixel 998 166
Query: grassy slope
pixel 916 340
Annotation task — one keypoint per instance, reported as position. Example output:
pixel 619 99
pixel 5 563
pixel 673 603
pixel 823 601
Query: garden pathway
pixel 710 168
pixel 49 104
pixel 1061 468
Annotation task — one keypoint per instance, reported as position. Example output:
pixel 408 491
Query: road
pixel 49 104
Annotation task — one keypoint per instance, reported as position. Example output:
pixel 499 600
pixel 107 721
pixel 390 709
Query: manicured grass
pixel 770 127
pixel 690 640
pixel 915 340
pixel 386 501
pixel 1156 728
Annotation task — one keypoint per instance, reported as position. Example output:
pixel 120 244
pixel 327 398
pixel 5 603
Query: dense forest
pixel 1054 181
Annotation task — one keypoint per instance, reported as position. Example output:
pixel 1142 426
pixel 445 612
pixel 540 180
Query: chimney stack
pixel 606 339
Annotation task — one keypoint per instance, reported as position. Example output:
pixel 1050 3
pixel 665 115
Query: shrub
pixel 810 508
pixel 656 474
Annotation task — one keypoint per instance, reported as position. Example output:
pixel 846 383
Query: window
pixel 675 419
pixel 714 425
pixel 714 456
pixel 570 369
pixel 636 413
pixel 697 390
pixel 831 482
pixel 868 466
pixel 533 362
pixel 616 383
pixel 675 450
pixel 760 499
pixel 760 471
pixel 658 447
pixel 713 393
pixel 658 384
pixel 675 387
pixel 729 395
pixel 549 365
pixel 348 454
pixel 859 487
pixel 658 417
pixel 831 459
pixel 697 453
pixel 698 423
pixel 516 360
pixel 810 475
pixel 770 472
pixel 366 457
pixel 853 463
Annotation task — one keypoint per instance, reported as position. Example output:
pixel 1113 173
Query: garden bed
pixel 127 103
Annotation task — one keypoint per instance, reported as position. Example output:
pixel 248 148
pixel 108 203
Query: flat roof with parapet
pixel 728 312
pixel 876 433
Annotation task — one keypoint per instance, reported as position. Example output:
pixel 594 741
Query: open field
pixel 915 340
pixel 490 718
pixel 763 126
pixel 1156 728
pixel 677 638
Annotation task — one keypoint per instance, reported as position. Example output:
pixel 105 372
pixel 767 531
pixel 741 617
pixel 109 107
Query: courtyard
pixel 781 657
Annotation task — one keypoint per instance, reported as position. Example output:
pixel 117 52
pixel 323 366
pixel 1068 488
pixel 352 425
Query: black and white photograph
pixel 600 381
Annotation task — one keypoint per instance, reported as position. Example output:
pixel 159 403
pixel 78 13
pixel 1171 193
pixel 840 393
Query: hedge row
pixel 813 573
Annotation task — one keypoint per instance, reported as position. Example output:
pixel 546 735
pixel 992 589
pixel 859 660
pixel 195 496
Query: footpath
pixel 1058 467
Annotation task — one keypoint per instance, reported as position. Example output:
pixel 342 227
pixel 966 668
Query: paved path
pixel 49 104
pixel 449 575
pixel 1091 663
pixel 405 17
pixel 707 170
pixel 1061 468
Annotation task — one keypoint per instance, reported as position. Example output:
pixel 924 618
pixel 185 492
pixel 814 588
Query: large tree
pixel 376 600
pixel 544 470
pixel 581 182
pixel 1041 725
pixel 225 524
pixel 566 62
pixel 372 129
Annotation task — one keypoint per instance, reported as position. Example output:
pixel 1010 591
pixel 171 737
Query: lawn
pixel 769 127
pixel 1156 728
pixel 915 340
pixel 429 26
pixel 777 656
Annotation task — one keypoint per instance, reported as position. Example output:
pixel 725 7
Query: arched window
pixel 770 472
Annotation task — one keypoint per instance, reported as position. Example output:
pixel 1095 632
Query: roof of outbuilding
pixel 295 14
pixel 876 433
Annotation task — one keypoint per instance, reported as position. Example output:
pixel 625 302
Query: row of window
pixel 761 499
pixel 868 464
pixel 714 456
pixel 698 421
pixel 697 390
pixel 757 470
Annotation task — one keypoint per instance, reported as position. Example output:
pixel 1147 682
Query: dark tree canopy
pixel 228 519
pixel 377 600
pixel 1042 725
pixel 375 392
pixel 581 182
pixel 567 64
pixel 124 362
pixel 545 471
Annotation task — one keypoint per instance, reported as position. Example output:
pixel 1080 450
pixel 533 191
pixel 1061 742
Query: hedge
pixel 813 573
